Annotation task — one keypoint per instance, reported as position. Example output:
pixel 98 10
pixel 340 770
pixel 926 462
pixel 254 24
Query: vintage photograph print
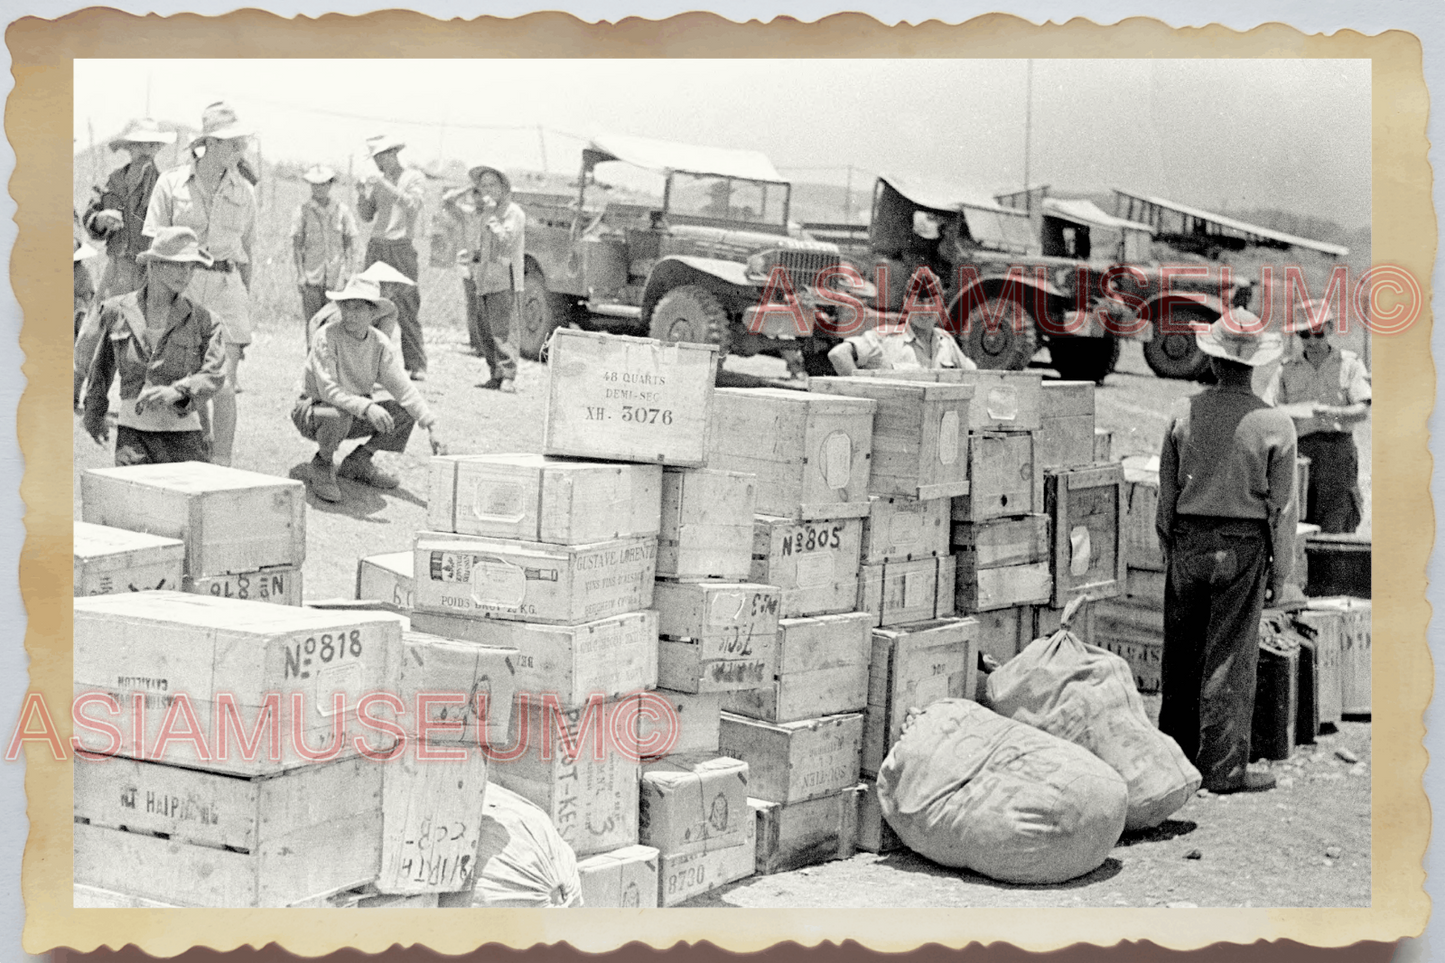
pixel 916 480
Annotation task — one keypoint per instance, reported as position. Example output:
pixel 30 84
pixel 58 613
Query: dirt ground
pixel 1304 844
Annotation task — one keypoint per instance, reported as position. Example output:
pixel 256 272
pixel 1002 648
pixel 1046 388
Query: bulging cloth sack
pixel 1086 695
pixel 524 861
pixel 968 788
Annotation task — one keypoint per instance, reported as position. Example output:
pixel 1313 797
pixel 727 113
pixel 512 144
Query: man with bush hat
pixel 392 204
pixel 1226 522
pixel 323 238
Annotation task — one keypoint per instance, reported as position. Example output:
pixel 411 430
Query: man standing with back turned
pixel 1226 522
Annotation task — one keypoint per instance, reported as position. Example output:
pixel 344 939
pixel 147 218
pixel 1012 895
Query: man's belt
pixel 219 266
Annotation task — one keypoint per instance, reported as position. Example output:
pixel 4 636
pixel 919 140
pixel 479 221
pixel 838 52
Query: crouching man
pixel 348 359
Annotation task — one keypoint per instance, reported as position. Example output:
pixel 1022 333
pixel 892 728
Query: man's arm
pixel 393 378
pixel 207 381
pixel 160 212
pixel 97 391
pixel 1168 491
pixel 1283 518
pixel 323 366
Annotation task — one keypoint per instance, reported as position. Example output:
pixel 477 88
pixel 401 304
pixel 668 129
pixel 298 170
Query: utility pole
pixel 542 141
pixel 1028 132
pixel 848 198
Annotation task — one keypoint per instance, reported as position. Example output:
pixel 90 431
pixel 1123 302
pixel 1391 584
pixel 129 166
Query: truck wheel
pixel 542 313
pixel 1002 347
pixel 1177 355
pixel 691 313
pixel 1084 359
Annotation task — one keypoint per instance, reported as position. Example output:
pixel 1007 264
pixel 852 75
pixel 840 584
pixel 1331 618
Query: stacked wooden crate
pixel 112 560
pixel 244 532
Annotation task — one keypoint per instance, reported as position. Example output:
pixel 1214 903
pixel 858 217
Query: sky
pixel 1219 134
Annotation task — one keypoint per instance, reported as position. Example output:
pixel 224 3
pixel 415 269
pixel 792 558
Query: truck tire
pixel 1177 355
pixel 1002 348
pixel 691 313
pixel 542 313
pixel 1084 359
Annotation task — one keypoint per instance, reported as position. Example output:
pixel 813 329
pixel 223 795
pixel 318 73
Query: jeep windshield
pixel 710 199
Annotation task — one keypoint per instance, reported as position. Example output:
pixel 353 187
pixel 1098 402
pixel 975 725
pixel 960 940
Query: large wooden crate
pixel 814 563
pixel 230 520
pixel 793 761
pixel 533 498
pixel 431 821
pixel 914 666
pixel 1355 650
pixel 456 674
pixel 493 578
pixel 185 837
pixel 1004 477
pixel 822 669
pixel 874 833
pixel 898 592
pixel 1141 500
pixel 1134 632
pixel 707 524
pixel 794 835
pixel 692 803
pixel 693 724
pixel 920 434
pixel 898 529
pixel 810 452
pixel 387 579
pixel 612 657
pixel 164 644
pixel 628 399
pixel 111 560
pixel 1103 445
pixel 1005 400
pixel 1002 562
pixel 280 586
pixel 591 798
pixel 1086 509
pixel 1003 633
pixel 1066 433
pixel 687 876
pixel 716 636
pixel 624 878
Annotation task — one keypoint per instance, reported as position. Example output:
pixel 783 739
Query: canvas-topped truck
pixel 675 242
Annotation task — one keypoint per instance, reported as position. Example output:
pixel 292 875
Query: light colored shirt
pixel 341 371
pixel 327 237
pixel 1341 380
pixel 498 261
pixel 225 224
pixel 395 218
pixel 901 350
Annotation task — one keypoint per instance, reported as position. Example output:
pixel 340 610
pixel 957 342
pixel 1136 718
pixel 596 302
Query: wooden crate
pixel 1141 499
pixel 822 669
pixel 707 524
pixel 693 803
pixel 810 452
pixel 280 586
pixel 1086 509
pixel 794 835
pixel 431 822
pixel 387 579
pixel 1002 562
pixel 695 723
pixel 898 592
pixel 1135 633
pixel 898 529
pixel 1103 445
pixel 230 520
pixel 1004 477
pixel 814 563
pixel 162 644
pixel 1003 633
pixel 628 399
pixel 793 761
pixel 184 837
pixel 614 656
pixel 982 590
pixel 493 578
pixel 687 876
pixel 533 498
pixel 592 801
pixel 874 833
pixel 110 560
pixel 914 666
pixel 1004 400
pixel 463 671
pixel 1066 432
pixel 624 878
pixel 1321 629
pixel 716 636
pixel 1355 650
pixel 920 434
pixel 91 897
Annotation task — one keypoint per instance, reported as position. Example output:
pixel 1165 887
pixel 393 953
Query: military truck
pixel 671 241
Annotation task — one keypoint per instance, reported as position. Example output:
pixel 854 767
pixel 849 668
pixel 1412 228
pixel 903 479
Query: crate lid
pixel 91 540
pixel 193 477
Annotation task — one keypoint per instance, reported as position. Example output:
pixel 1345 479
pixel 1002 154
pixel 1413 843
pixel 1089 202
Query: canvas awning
pixel 1151 206
pixel 1090 214
pixel 667 156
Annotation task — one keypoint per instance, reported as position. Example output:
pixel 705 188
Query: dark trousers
pixel 407 297
pixel 1333 500
pixel 1213 597
pixel 329 427
pixel 498 330
pixel 474 316
pixel 136 447
pixel 313 299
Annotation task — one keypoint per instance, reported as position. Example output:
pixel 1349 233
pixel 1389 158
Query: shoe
pixel 418 376
pixel 323 480
pixel 358 467
pixel 494 385
pixel 508 385
pixel 1252 782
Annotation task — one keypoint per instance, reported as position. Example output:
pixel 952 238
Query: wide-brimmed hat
pixel 382 143
pixel 383 273
pixel 359 288
pixel 318 174
pixel 1317 315
pixel 1236 341
pixel 142 131
pixel 219 121
pixel 177 245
